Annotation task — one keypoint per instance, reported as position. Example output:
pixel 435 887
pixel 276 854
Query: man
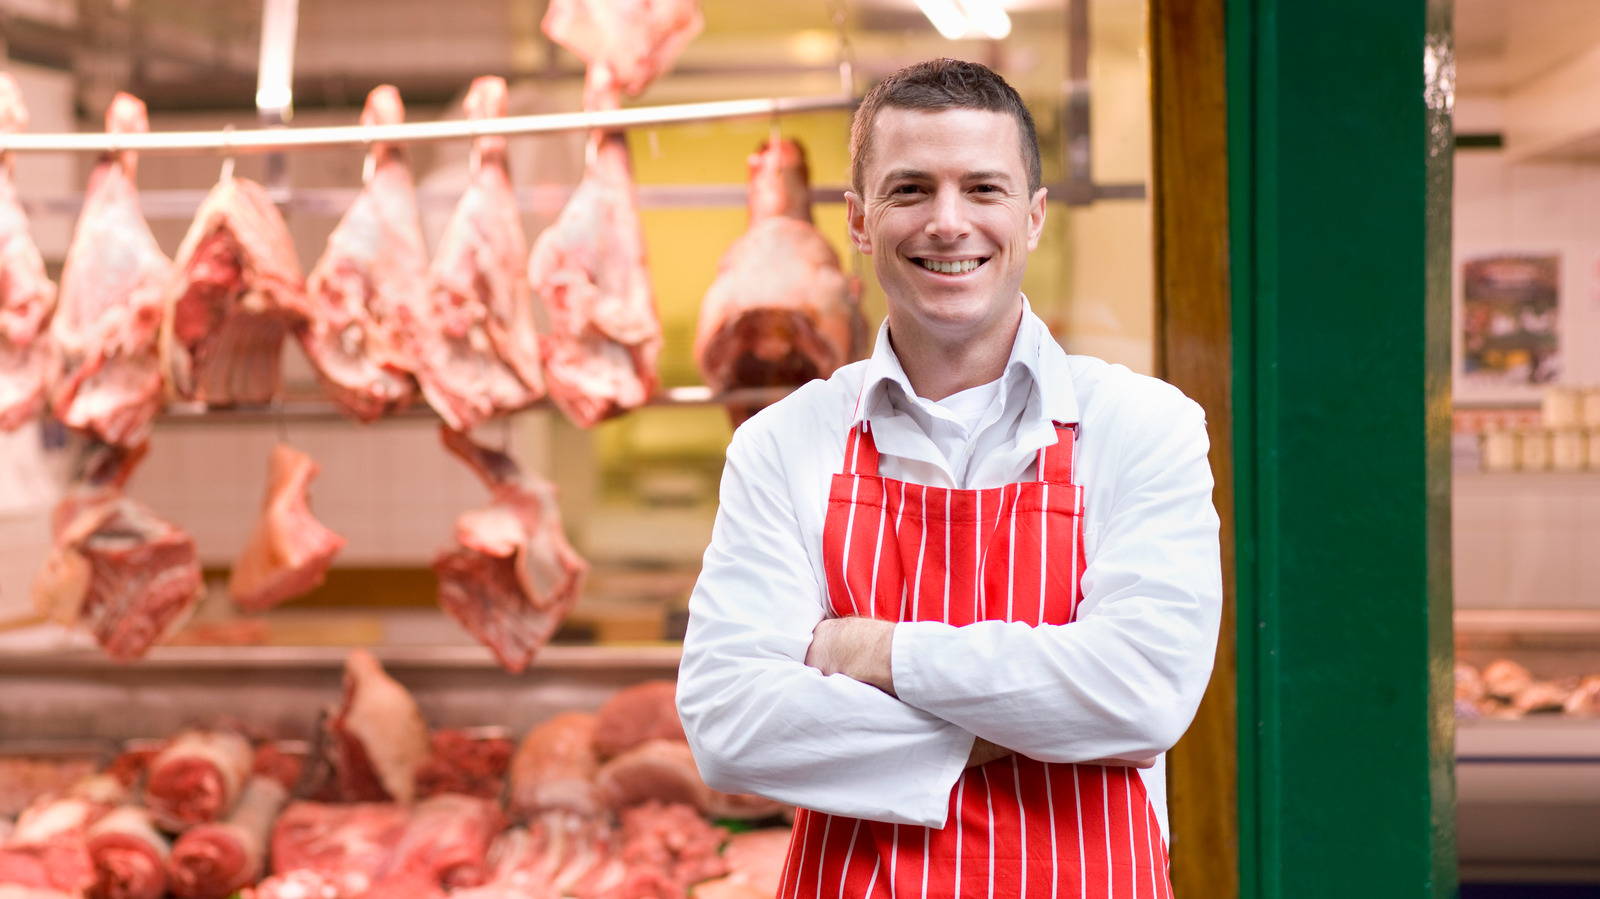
pixel 962 596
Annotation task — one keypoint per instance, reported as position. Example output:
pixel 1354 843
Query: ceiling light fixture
pixel 956 19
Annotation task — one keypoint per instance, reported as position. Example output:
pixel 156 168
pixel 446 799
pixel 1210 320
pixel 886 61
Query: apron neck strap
pixel 1055 461
pixel 860 452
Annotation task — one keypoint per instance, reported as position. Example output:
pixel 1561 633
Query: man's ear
pixel 1035 219
pixel 856 216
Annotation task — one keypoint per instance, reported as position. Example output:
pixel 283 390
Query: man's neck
pixel 937 369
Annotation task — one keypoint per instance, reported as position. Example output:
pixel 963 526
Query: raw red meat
pixel 589 271
pixel 213 860
pixel 379 736
pixel 781 312
pixel 197 778
pixel 340 846
pixel 664 770
pixel 289 552
pixel 632 715
pixel 554 768
pixel 481 357
pixel 129 856
pixel 636 39
pixel 27 298
pixel 446 842
pixel 48 849
pixel 459 762
pixel 758 856
pixel 665 849
pixel 236 292
pixel 114 567
pixel 109 315
pixel 371 284
pixel 283 767
pixel 512 577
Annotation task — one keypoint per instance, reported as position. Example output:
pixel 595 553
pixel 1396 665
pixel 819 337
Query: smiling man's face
pixel 947 217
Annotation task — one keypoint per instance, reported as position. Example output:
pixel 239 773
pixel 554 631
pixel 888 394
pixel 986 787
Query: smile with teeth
pixel 949 266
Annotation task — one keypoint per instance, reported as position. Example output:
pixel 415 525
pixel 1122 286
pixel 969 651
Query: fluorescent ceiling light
pixel 945 16
pixel 987 17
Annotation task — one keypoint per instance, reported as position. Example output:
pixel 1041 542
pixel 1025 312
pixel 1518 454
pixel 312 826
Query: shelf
pixel 652 657
pixel 1564 622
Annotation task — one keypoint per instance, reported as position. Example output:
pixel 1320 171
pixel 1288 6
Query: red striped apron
pixel 1017 827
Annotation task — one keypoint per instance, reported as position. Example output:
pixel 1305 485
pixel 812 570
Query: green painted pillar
pixel 1339 158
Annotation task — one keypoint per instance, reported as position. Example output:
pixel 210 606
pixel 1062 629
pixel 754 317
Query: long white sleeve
pixel 1125 679
pixel 758 719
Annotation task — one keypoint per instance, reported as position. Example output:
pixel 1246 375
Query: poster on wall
pixel 1508 323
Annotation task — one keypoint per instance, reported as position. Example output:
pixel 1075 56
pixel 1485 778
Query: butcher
pixel 961 596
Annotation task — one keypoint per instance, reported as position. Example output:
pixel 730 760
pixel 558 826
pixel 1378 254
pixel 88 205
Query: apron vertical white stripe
pixel 961 789
pixel 1083 860
pixel 899 516
pixel 977 557
pixel 1011 560
pixel 799 862
pixel 1105 820
pixel 988 796
pixel 947 496
pixel 894 863
pixel 822 857
pixel 845 871
pixel 877 865
pixel 849 531
pixel 1050 800
pixel 1127 792
pixel 877 560
pixel 1022 810
pixel 926 836
pixel 1044 544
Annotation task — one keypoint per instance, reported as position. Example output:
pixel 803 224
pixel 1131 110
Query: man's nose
pixel 949 219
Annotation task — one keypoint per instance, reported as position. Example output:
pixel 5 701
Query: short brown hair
pixel 943 84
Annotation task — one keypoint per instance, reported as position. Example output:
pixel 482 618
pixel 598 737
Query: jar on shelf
pixel 1533 450
pixel 1498 450
pixel 1562 407
pixel 1590 411
pixel 1569 450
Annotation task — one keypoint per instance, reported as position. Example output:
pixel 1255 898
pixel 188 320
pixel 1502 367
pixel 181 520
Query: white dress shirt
pixel 1121 682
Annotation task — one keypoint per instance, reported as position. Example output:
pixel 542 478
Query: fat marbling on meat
pixel 108 317
pixel 27 297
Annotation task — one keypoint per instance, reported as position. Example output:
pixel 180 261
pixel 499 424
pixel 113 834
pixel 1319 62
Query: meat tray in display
pixel 371 283
pixel 27 298
pixel 512 577
pixel 108 317
pixel 237 291
pixel 481 358
pixel 781 311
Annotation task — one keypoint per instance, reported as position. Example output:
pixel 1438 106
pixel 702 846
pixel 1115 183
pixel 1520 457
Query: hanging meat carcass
pixel 589 271
pixel 289 551
pixel 27 298
pixel 237 291
pixel 371 284
pixel 482 358
pixel 781 312
pixel 512 577
pixel 638 40
pixel 108 319
pixel 115 567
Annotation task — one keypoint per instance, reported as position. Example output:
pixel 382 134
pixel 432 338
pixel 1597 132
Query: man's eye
pixel 987 188
pixel 906 189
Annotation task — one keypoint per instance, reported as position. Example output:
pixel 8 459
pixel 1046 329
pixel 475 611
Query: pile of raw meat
pixel 603 805
pixel 1505 689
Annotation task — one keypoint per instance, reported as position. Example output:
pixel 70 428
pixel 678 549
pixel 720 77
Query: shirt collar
pixel 1035 356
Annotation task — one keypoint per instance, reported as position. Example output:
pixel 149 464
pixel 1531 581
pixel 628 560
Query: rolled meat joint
pixel 636 39
pixel 554 768
pixel 289 551
pixel 213 860
pixel 664 771
pixel 324 851
pixel 588 269
pixel 197 778
pixel 114 567
pixel 378 735
pixel 129 854
pixel 632 715
pixel 781 311
pixel 482 358
pixel 371 284
pixel 108 318
pixel 512 577
pixel 446 842
pixel 236 293
pixel 27 296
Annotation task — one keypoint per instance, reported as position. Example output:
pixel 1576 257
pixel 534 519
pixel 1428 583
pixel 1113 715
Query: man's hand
pixel 857 648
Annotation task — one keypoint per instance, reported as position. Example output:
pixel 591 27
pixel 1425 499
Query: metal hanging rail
pixel 265 140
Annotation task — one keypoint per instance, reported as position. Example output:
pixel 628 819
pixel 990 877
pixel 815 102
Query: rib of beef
pixel 371 283
pixel 236 292
pixel 289 551
pixel 482 356
pixel 512 577
pixel 589 271
pixel 115 567
pixel 109 315
pixel 637 39
pixel 781 312
pixel 27 298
